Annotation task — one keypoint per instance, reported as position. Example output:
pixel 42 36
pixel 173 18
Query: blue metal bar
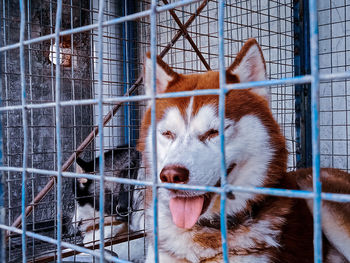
pixel 125 69
pixel 2 182
pixel 132 59
pixel 247 85
pixel 100 126
pixel 153 18
pixel 256 190
pixel 335 76
pixel 315 130
pixel 222 77
pixel 106 23
pixel 58 131
pixel 129 68
pixel 25 131
pixel 63 244
pixel 302 91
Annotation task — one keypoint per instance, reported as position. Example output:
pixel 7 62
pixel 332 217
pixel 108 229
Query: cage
pixel 53 107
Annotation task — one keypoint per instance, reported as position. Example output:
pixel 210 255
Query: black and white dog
pixel 121 162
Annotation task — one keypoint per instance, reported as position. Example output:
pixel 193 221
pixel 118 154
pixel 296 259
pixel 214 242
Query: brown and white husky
pixel 261 228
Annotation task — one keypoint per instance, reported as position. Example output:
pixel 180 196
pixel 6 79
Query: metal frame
pixel 2 193
pixel 129 56
pixel 303 91
pixel 313 78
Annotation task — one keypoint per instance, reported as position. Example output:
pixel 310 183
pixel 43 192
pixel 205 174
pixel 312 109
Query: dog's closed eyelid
pixel 212 133
pixel 168 134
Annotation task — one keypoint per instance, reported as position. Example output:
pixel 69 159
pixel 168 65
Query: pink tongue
pixel 186 210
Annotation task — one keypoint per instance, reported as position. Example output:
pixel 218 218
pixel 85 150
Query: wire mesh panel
pixel 71 92
pixel 40 88
pixel 270 22
pixel 334 58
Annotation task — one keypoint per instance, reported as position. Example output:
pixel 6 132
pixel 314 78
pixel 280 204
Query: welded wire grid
pixel 78 82
pixel 219 32
pixel 334 41
pixel 39 86
pixel 270 22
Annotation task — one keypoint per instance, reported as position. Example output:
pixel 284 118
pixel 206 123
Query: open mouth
pixel 186 210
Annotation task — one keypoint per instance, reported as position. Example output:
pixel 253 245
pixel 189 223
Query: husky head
pixel 188 145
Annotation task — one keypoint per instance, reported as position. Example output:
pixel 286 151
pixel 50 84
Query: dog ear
pixel 164 75
pixel 80 168
pixel 249 65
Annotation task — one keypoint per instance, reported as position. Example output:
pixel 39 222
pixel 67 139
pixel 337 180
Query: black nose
pixel 122 213
pixel 122 210
pixel 123 205
pixel 174 174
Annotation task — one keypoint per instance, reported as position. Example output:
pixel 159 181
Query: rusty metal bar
pixel 187 24
pixel 187 36
pixel 109 242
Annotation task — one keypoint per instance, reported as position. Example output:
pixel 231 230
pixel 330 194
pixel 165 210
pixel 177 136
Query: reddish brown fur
pixel 333 181
pixel 242 53
pixel 238 104
pixel 296 233
pixel 291 216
